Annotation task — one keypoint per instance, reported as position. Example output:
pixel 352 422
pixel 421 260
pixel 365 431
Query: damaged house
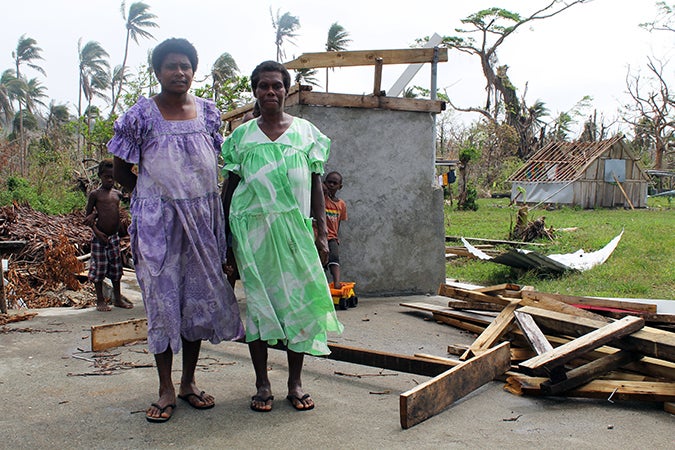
pixel 602 174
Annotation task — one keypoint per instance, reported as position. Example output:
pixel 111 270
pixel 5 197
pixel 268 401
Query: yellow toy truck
pixel 344 297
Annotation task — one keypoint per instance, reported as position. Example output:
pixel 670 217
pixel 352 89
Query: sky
pixel 586 50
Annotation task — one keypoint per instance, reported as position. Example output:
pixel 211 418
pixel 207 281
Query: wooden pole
pixel 377 85
pixel 623 192
pixel 3 301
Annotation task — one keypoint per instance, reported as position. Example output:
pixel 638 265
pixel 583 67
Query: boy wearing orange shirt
pixel 336 212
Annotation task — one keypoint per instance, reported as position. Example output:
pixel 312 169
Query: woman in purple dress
pixel 177 230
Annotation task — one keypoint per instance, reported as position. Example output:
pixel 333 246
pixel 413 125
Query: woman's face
pixel 175 74
pixel 270 92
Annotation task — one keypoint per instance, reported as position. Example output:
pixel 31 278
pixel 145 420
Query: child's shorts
pixel 333 252
pixel 106 260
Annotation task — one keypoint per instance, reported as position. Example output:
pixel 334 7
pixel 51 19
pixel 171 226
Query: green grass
pixel 642 266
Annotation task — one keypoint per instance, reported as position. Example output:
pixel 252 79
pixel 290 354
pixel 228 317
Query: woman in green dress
pixel 274 166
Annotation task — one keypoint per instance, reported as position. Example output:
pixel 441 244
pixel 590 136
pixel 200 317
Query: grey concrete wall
pixel 394 240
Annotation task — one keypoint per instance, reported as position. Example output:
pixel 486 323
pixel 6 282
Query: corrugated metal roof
pixel 562 161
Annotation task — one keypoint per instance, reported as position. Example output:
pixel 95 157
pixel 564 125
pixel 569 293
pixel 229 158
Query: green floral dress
pixel 287 294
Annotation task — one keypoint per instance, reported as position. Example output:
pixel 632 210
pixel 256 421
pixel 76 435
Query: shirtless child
pixel 106 259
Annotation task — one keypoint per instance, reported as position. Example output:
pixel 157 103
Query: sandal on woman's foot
pixel 299 402
pixel 161 419
pixel 258 399
pixel 191 399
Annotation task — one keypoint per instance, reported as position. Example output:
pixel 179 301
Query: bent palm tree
pixel 284 27
pixel 11 89
pixel 225 68
pixel 26 52
pixel 337 41
pixel 93 74
pixel 137 20
pixel 308 76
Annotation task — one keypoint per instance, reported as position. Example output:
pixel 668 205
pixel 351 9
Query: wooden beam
pixel 649 341
pixel 366 58
pixel 493 332
pixel 366 102
pixel 435 395
pixel 532 333
pixel 473 317
pixel 478 329
pixel 119 333
pixel 476 306
pixel 540 301
pixel 622 191
pixel 614 390
pixel 384 360
pixel 588 372
pixel 377 82
pixel 546 362
pixel 575 300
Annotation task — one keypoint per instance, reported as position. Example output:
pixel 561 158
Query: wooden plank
pixel 498 288
pixel 451 362
pixel 385 360
pixel 493 332
pixel 458 323
pixel 476 306
pixel 649 341
pixel 473 317
pixel 546 362
pixel 366 101
pixel 623 191
pixel 119 333
pixel 615 390
pixel 532 333
pixel 576 300
pixel 494 241
pixel 470 295
pixel 588 372
pixel 366 58
pixel 435 395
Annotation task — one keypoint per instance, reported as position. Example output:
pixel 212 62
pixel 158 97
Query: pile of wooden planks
pixel 566 345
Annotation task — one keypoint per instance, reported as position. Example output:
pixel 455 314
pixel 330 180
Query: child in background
pixel 336 212
pixel 106 259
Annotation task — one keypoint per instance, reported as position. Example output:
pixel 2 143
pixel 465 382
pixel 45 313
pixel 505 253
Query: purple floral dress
pixel 177 229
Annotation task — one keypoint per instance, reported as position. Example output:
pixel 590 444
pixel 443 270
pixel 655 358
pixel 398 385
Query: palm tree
pixel 11 89
pixel 284 27
pixel 225 68
pixel 94 78
pixel 308 76
pixel 337 41
pixel 26 52
pixel 35 92
pixel 137 20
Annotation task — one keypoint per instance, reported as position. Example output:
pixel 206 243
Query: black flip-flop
pixel 161 419
pixel 294 398
pixel 200 396
pixel 258 398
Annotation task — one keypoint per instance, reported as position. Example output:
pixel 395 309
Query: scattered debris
pixel 563 345
pixel 46 252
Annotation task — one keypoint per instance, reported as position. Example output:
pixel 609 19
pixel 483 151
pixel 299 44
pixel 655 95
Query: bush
pixel 56 200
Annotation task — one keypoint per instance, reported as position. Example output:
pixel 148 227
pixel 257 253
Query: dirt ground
pixel 53 398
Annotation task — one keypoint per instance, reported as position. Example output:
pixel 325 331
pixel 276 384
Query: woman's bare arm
pixel 123 174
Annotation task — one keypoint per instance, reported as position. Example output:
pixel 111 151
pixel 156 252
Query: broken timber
pixel 119 333
pixel 435 395
pixel 649 341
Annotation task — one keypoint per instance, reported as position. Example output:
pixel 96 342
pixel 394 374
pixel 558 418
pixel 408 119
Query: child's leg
pixel 335 273
pixel 101 304
pixel 118 300
pixel 334 262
